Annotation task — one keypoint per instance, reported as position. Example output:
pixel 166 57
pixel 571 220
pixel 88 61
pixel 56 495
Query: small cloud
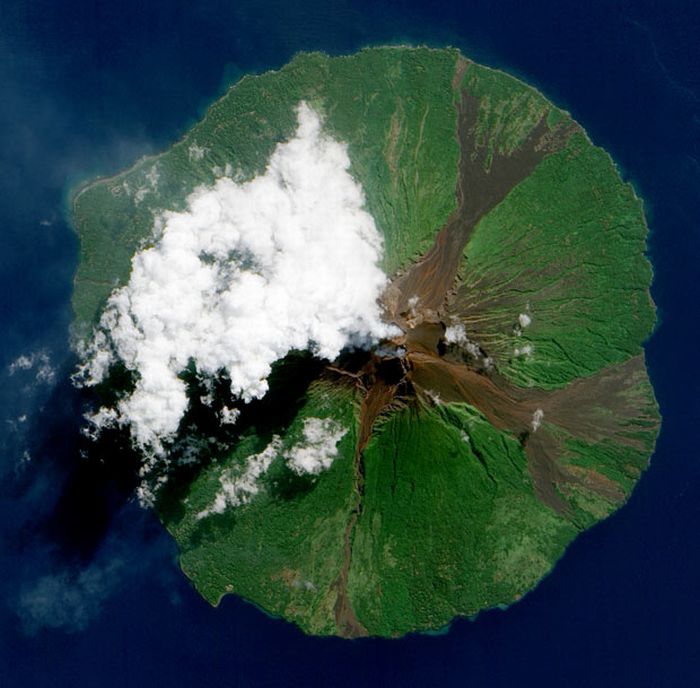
pixel 67 600
pixel 315 453
pixel 23 462
pixel 537 417
pixel 456 334
pixel 434 397
pixel 98 421
pixel 229 416
pixel 152 177
pixel 239 486
pixel 21 363
pixel 39 362
pixel 196 153
pixel 525 350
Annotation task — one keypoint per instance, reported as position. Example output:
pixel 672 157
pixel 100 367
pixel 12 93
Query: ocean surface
pixel 90 592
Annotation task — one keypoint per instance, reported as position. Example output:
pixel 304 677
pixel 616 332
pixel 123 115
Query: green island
pixel 520 412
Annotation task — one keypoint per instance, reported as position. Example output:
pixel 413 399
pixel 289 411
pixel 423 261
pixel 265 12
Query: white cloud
pixel 38 361
pixel 103 418
pixel 524 320
pixel 68 600
pixel 195 152
pixel 434 397
pixel 525 350
pixel 456 334
pixel 537 417
pixel 151 177
pixel 239 487
pixel 315 453
pixel 22 362
pixel 312 455
pixel 247 273
pixel 229 416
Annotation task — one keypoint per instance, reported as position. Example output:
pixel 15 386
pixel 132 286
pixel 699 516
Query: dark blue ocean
pixel 90 593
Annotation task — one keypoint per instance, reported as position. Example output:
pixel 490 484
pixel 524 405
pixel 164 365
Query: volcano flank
pixel 457 396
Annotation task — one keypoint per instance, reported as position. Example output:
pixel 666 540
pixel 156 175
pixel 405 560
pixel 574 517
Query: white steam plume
pixel 250 271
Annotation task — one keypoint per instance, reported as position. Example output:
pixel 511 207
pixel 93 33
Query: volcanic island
pixel 440 468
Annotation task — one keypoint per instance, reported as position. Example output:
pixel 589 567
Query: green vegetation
pixel 452 506
pixel 508 109
pixel 393 107
pixel 566 247
pixel 445 532
pixel 283 549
